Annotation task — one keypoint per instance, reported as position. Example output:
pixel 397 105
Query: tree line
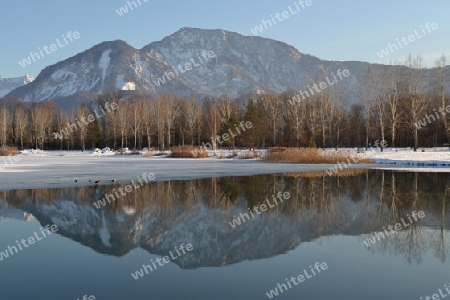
pixel 394 101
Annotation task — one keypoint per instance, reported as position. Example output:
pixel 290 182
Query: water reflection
pixel 162 215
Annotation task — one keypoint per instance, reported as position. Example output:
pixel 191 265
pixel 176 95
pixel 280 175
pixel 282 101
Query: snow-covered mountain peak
pixel 9 84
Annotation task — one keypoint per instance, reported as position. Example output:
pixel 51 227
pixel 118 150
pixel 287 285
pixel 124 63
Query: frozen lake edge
pixel 56 171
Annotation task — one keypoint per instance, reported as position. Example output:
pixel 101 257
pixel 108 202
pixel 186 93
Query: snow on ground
pixel 37 168
pixel 405 159
pixel 95 152
pixel 423 156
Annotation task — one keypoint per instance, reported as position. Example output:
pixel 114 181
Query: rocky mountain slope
pixel 197 63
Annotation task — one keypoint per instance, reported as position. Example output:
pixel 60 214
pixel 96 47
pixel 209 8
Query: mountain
pixel 9 84
pixel 221 63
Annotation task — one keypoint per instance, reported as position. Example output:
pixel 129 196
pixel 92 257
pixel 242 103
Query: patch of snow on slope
pixel 65 82
pixel 64 74
pixel 142 71
pixel 129 86
pixel 67 88
pixel 104 64
pixel 28 79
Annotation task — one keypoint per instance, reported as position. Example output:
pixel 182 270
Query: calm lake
pixel 102 251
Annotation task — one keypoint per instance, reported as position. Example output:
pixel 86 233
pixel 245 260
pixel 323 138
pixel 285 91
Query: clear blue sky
pixel 328 29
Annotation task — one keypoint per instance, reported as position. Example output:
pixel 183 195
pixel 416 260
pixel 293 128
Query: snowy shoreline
pixel 57 169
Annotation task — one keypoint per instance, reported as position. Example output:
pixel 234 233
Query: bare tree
pixel 61 122
pixel 380 103
pixel 136 107
pixel 108 122
pixel 417 101
pixel 295 114
pixel 158 108
pixel 148 121
pixel 191 110
pixel 354 124
pixel 369 94
pixel 13 105
pixel 273 106
pixel 21 122
pixel 122 122
pixel 213 120
pixel 311 115
pixel 393 98
pixel 226 109
pixel 441 65
pixel 81 117
pixel 41 120
pixel 337 115
pixel 324 113
pixel 4 124
pixel 170 111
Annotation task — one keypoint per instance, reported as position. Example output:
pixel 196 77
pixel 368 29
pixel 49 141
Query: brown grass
pixel 8 151
pixel 189 151
pixel 311 156
pixel 148 154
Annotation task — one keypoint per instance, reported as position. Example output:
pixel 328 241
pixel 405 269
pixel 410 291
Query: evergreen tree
pixel 94 133
pixel 250 137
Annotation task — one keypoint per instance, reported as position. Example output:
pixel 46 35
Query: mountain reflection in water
pixel 162 215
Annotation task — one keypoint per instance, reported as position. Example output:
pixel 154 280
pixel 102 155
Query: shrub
pixel 189 151
pixel 311 156
pixel 7 151
pixel 312 143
